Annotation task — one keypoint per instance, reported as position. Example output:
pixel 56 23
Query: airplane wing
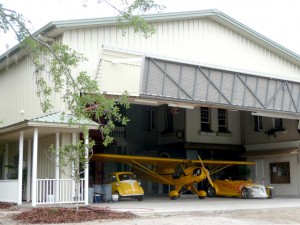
pixel 148 166
pixel 219 165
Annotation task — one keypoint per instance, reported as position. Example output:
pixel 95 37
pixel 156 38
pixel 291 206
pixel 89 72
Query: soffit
pixel 272 152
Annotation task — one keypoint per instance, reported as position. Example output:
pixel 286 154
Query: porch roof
pixel 47 124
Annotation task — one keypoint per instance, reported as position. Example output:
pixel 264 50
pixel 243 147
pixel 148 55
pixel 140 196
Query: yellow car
pixel 125 184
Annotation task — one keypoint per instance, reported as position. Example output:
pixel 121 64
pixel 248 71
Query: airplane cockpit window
pixel 197 172
pixel 178 172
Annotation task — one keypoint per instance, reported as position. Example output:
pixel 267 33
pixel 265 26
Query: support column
pixel 29 165
pixel 20 167
pixel 86 172
pixel 6 162
pixel 57 167
pixel 74 140
pixel 34 167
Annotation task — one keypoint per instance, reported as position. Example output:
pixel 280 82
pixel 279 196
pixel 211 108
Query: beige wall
pixel 193 125
pixel 260 137
pixel 291 189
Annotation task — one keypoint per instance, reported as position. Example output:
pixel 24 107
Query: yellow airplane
pixel 180 174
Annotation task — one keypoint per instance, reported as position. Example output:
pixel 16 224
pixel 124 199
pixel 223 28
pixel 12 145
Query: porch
pixel 43 181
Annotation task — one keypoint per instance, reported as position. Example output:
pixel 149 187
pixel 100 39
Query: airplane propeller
pixel 206 172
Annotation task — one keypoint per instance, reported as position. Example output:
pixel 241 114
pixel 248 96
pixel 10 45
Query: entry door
pixel 259 171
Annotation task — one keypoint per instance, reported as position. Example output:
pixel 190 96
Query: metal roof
pixel 55 28
pixel 60 118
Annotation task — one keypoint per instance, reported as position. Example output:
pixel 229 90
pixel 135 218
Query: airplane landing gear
pixel 173 195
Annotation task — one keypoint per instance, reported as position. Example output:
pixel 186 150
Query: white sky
pixel 278 20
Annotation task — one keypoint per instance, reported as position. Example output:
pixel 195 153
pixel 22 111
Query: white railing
pixel 50 191
pixel 118 133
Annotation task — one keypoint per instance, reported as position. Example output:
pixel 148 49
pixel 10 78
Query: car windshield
pixel 127 177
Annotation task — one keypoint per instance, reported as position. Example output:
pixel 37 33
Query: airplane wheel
pixel 245 193
pixel 140 198
pixel 201 197
pixel 270 193
pixel 211 192
pixel 173 198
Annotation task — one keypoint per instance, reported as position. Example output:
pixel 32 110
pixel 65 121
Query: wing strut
pixel 144 169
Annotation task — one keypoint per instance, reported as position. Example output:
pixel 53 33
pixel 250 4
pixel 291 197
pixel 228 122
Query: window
pixel 278 123
pixel 169 118
pixel 280 173
pixel 150 124
pixel 222 120
pixel 258 125
pixel 205 119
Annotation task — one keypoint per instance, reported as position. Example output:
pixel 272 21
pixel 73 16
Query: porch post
pixel 6 162
pixel 57 167
pixel 20 168
pixel 34 167
pixel 29 165
pixel 74 140
pixel 86 172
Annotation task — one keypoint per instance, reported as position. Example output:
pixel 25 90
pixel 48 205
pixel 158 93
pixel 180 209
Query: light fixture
pixel 185 106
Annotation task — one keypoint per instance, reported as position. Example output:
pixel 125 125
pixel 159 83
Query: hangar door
pixel 175 81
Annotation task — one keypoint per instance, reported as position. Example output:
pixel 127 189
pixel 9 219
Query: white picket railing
pixel 51 191
pixel 118 133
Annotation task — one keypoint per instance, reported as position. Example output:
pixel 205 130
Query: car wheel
pixel 270 192
pixel 245 193
pixel 119 197
pixel 173 197
pixel 140 198
pixel 211 192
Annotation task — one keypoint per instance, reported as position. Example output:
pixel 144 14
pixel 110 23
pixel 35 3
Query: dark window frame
pixel 280 173
pixel 222 120
pixel 258 123
pixel 205 116
pixel 150 120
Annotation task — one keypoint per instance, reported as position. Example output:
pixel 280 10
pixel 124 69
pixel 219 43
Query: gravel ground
pixel 189 210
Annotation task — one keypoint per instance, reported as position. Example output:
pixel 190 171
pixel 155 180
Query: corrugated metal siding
pixel 18 92
pixel 198 40
pixel 46 167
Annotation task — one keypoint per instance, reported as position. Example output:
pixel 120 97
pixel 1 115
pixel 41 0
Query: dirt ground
pixel 232 217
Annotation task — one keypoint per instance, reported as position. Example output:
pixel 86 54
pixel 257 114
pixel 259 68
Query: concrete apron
pixel 190 203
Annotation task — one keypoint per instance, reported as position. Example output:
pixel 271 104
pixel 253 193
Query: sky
pixel 278 20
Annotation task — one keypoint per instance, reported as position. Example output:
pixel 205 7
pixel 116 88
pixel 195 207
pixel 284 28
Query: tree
pixel 79 92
